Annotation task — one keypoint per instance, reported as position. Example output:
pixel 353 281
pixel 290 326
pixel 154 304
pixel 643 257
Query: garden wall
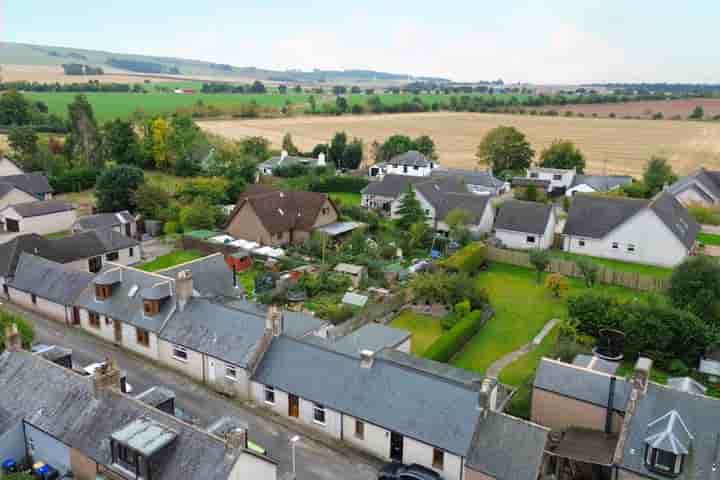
pixel 374 312
pixel 208 248
pixel 568 268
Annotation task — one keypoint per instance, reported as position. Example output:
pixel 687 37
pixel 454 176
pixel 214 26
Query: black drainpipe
pixel 234 274
pixel 611 399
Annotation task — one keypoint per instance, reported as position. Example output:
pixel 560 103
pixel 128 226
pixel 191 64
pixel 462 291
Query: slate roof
pixel 602 183
pixel 69 410
pixel 288 160
pixel 44 207
pixel 687 384
pixel 224 333
pixel 581 384
pixel 595 216
pixel 5 188
pixel 104 220
pixel 212 277
pixel 412 158
pixel 62 250
pixel 284 211
pixel 507 448
pixel 128 308
pixel 593 362
pixel 392 185
pixel 708 179
pixel 420 405
pixel 483 178
pixel 448 193
pixel 373 337
pixel 527 182
pixel 522 216
pixel 698 415
pixel 676 218
pixel 49 280
pixel 296 324
pixel 670 434
pixel 35 183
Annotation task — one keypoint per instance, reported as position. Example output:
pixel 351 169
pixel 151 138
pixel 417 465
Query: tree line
pixel 75 87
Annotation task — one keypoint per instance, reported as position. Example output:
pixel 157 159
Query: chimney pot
pixel 486 395
pixel 13 339
pixel 367 358
pixel 641 377
pixel 236 439
pixel 107 376
pixel 274 321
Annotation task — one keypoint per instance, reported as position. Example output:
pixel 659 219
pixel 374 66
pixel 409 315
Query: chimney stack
pixel 107 376
pixel 13 340
pixel 641 377
pixel 236 439
pixel 184 288
pixel 367 357
pixel 274 321
pixel 487 395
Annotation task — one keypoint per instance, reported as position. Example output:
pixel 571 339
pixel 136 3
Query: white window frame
pixel 631 248
pixel 319 408
pixel 231 368
pixel 530 239
pixel 361 424
pixel 581 243
pixel 180 348
pixel 615 245
pixel 269 390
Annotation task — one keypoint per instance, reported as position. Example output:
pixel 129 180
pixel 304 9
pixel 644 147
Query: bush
pixel 74 180
pixel 557 284
pixel 450 343
pixel 469 259
pixel 705 215
pixel 334 313
pixel 24 327
pixel 678 367
pixel 291 171
pixel 171 228
pixel 695 287
pixel 340 183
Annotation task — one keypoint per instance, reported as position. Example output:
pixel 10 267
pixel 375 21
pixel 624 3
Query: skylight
pixel 133 291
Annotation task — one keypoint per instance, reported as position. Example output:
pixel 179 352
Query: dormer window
pixel 102 292
pixel 151 307
pixel 667 444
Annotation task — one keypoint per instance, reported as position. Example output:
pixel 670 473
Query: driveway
pixel 319 457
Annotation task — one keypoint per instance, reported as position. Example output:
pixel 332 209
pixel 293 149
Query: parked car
pixel 398 471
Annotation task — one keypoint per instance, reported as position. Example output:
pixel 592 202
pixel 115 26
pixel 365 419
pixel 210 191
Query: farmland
pixel 618 146
pixel 645 109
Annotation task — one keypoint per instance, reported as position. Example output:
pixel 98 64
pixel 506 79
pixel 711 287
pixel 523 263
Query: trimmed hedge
pixel 340 183
pixel 74 180
pixel 469 259
pixel 454 340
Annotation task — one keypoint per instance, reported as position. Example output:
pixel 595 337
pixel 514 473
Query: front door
pixel 118 331
pixel 293 406
pixel 396 447
pixel 76 316
pixel 12 225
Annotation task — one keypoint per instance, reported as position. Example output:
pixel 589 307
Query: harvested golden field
pixel 646 109
pixel 623 145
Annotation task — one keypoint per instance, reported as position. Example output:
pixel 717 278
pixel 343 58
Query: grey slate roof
pixel 63 250
pixel 507 448
pixel 392 185
pixel 412 158
pixel 226 334
pixel 69 410
pixel 581 384
pixel 602 183
pixel 687 384
pixel 699 416
pixel 298 324
pixel 212 277
pixel 5 188
pixel 708 179
pixel 670 434
pixel 483 178
pixel 373 337
pixel 49 280
pixel 446 194
pixel 595 216
pixel 129 308
pixel 596 363
pixel 420 405
pixel 522 216
pixel 287 161
pixel 676 218
pixel 528 182
pixel 155 396
pixel 35 183
pixel 44 207
pixel 104 220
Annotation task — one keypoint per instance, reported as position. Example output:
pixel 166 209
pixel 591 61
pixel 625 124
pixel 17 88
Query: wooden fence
pixel 569 268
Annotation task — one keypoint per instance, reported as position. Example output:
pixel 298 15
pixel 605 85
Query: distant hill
pixel 26 54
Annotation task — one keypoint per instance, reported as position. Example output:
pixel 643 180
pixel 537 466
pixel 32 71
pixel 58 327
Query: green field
pixel 170 260
pixel 424 328
pixel 709 239
pixel 346 198
pixel 108 106
pixel 617 265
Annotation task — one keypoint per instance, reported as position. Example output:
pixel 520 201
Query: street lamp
pixel 293 441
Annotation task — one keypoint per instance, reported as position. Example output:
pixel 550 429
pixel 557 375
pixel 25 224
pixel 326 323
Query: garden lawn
pixel 617 265
pixel 522 308
pixel 170 260
pixel 346 198
pixel 424 328
pixel 709 239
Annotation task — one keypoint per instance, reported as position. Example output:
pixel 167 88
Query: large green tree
pixel 337 148
pixel 121 142
pixel 410 210
pixel 116 187
pixel 84 140
pixel 563 154
pixel 505 148
pixel 658 173
pixel 426 145
pixel 353 154
pixel 14 109
pixel 24 141
pixel 695 286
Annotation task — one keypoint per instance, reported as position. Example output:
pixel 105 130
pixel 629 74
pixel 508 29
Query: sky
pixel 549 42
